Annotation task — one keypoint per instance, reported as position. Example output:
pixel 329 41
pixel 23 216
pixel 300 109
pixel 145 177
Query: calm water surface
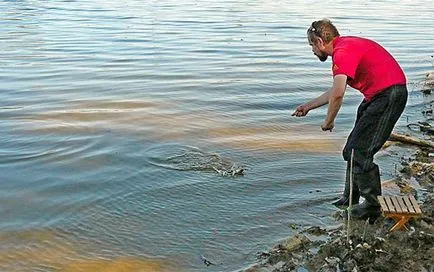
pixel 114 116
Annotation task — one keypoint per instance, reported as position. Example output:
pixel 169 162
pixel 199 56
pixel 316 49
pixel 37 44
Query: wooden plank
pixel 415 204
pixel 383 204
pixel 402 204
pixel 409 204
pixel 396 204
pixel 388 208
pixel 389 204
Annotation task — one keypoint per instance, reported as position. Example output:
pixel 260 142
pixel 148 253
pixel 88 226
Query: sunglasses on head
pixel 314 30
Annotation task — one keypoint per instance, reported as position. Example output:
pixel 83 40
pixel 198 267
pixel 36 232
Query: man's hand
pixel 300 111
pixel 327 126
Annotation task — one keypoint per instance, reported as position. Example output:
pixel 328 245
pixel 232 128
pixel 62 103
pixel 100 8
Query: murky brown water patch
pixel 121 264
pixel 23 250
pixel 44 250
pixel 129 116
pixel 302 138
pixel 115 105
pixel 164 121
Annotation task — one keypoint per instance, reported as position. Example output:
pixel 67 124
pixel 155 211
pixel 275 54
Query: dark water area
pixel 117 119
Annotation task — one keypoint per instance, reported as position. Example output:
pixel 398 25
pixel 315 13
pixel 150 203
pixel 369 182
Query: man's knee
pixel 346 153
pixel 362 162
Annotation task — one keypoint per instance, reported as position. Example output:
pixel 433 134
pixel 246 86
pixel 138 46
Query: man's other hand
pixel 327 126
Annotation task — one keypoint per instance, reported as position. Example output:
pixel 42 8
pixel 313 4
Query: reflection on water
pixel 273 138
pixel 40 250
pixel 117 265
pixel 162 121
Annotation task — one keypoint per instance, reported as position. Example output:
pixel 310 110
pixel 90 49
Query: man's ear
pixel 320 43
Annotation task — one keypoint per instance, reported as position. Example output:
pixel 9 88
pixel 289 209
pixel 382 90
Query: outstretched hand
pixel 300 111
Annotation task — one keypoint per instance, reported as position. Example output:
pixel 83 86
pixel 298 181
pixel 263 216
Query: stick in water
pixel 351 197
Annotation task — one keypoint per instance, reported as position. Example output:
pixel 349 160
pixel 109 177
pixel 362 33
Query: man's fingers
pixel 325 129
pixel 297 113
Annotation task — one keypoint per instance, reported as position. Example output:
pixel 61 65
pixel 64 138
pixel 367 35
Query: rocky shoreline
pixel 372 247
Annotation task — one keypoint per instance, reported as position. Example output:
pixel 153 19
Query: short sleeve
pixel 345 63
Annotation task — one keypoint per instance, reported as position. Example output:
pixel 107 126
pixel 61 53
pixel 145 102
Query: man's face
pixel 322 56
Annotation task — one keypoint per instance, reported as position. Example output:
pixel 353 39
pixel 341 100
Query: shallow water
pixel 113 116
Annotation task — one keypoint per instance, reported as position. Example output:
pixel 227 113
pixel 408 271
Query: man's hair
pixel 323 29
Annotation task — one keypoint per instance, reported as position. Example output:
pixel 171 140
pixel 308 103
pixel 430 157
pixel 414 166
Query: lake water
pixel 115 116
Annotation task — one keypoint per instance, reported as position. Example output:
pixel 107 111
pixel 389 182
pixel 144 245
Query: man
pixel 366 66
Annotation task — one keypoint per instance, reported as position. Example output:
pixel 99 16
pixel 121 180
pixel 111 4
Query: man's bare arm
pixel 321 100
pixel 336 96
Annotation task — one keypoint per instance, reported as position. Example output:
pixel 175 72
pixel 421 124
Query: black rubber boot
pixel 345 199
pixel 369 187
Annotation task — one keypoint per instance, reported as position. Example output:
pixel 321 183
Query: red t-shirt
pixel 368 66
